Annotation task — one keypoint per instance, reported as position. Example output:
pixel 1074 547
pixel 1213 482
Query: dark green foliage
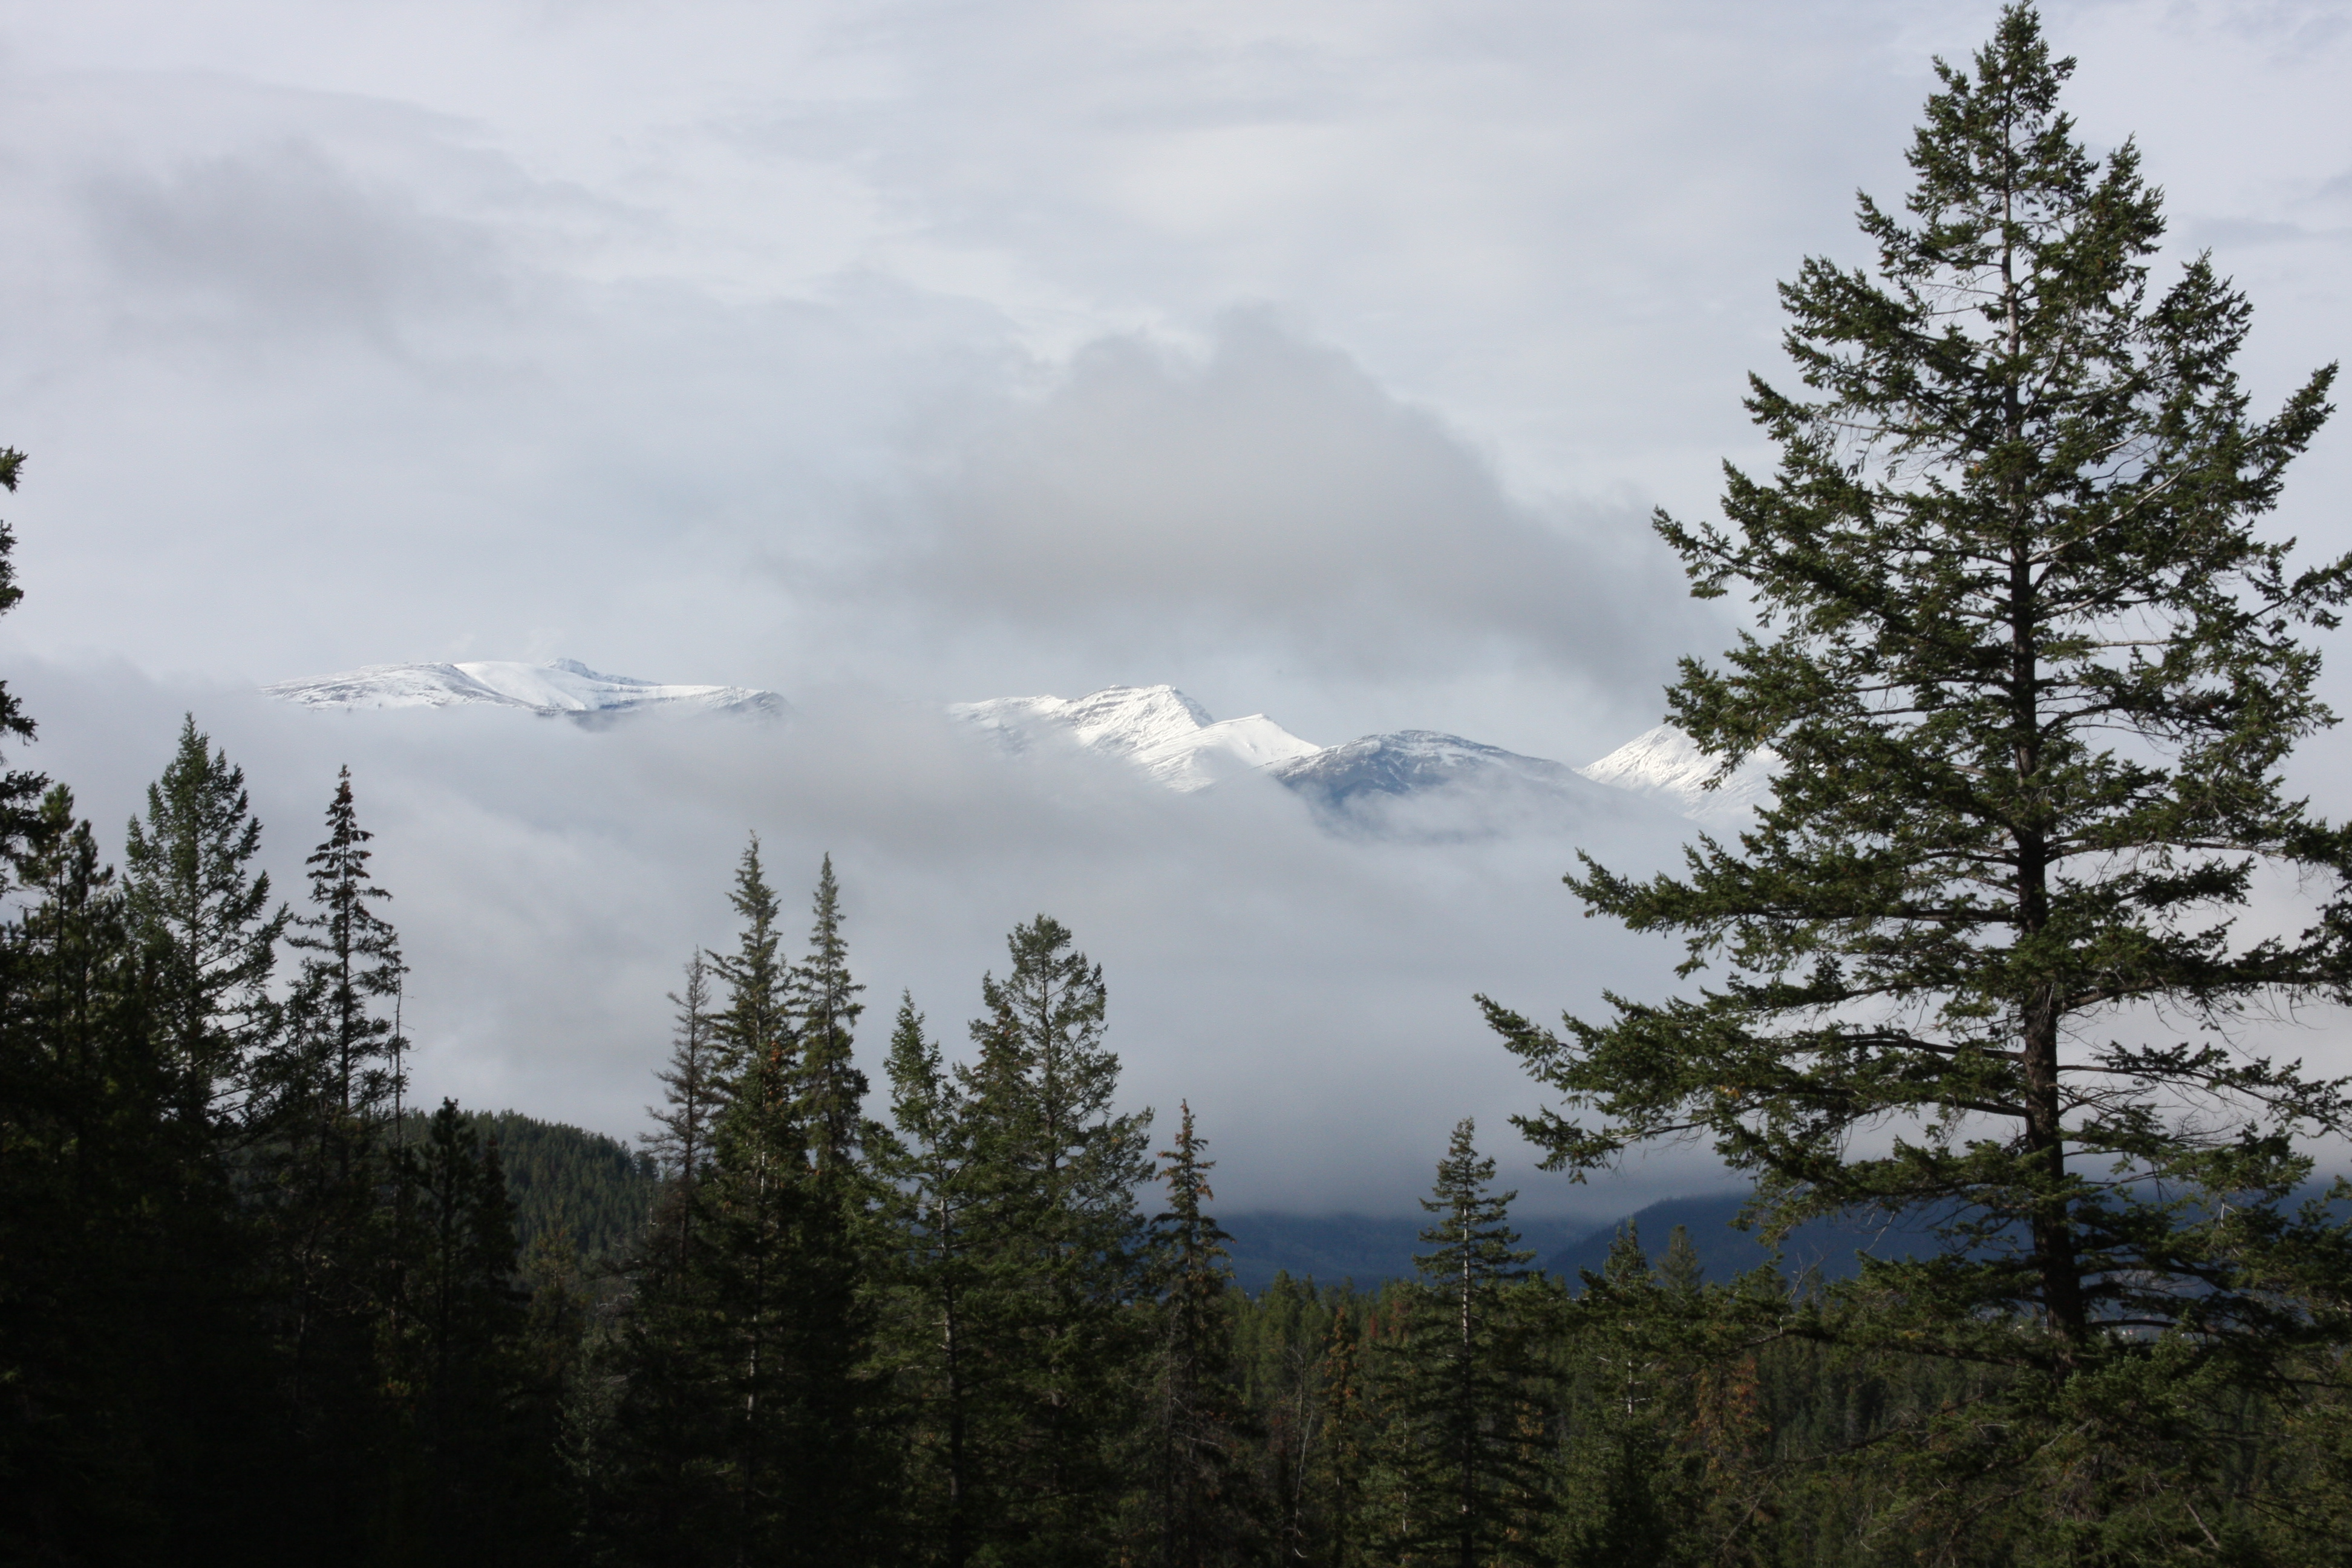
pixel 20 789
pixel 1061 1251
pixel 822 1001
pixel 933 1218
pixel 1206 1514
pixel 1466 1436
pixel 743 1426
pixel 353 965
pixel 1021 1331
pixel 204 919
pixel 2031 676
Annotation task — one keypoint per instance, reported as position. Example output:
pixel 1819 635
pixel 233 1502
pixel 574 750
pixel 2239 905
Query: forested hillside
pixel 568 1188
pixel 863 1297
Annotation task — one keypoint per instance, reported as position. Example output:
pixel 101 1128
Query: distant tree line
pixel 2029 679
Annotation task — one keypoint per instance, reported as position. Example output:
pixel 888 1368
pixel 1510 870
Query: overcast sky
pixel 1323 360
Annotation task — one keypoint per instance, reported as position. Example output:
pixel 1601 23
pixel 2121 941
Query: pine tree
pixel 77 1350
pixel 1204 1511
pixel 355 964
pixel 205 916
pixel 693 1095
pixel 1061 1257
pixel 1620 1502
pixel 756 1023
pixel 1346 1443
pixel 822 1002
pixel 763 1321
pixel 2029 675
pixel 1457 1373
pixel 925 1158
pixel 328 1192
pixel 20 789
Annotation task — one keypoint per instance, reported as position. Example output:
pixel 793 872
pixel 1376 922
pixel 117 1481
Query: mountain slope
pixel 564 687
pixel 1665 763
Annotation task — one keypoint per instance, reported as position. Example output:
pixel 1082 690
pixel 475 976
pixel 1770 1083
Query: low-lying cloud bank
pixel 1309 994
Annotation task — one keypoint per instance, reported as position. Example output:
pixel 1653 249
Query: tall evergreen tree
pixel 2031 676
pixel 752 1350
pixel 20 789
pixel 1203 1508
pixel 329 1194
pixel 76 1095
pixel 1062 1253
pixel 354 965
pixel 1458 1376
pixel 1346 1443
pixel 693 1092
pixel 756 1023
pixel 204 913
pixel 931 1211
pixel 822 1001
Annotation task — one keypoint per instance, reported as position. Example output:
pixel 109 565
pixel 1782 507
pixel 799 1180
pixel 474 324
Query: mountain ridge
pixel 1386 784
pixel 562 688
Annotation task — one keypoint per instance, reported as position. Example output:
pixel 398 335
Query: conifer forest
pixel 890 1282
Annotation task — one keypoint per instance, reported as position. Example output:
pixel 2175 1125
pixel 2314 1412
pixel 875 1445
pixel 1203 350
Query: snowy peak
pixel 1157 728
pixel 564 687
pixel 1667 764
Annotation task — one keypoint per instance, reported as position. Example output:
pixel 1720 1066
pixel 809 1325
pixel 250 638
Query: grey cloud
pixel 282 237
pixel 1270 491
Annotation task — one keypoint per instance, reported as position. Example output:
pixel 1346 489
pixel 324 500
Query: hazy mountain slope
pixel 564 687
pixel 1420 783
pixel 1365 1248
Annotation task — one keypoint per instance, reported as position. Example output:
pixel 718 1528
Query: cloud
pixel 281 239
pixel 1310 996
pixel 1269 491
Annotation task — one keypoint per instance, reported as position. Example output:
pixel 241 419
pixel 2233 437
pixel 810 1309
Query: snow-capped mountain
pixel 1413 783
pixel 564 687
pixel 1157 728
pixel 1666 764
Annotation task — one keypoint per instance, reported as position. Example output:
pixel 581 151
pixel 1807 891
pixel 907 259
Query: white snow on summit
pixel 565 688
pixel 1666 763
pixel 1158 728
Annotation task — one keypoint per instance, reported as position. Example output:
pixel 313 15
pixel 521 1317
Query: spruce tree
pixel 764 1322
pixel 693 1092
pixel 1346 1443
pixel 822 1001
pixel 940 1371
pixel 756 1022
pixel 1063 1253
pixel 20 789
pixel 204 913
pixel 2031 677
pixel 1205 1513
pixel 354 965
pixel 328 1193
pixel 78 1337
pixel 1458 1378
